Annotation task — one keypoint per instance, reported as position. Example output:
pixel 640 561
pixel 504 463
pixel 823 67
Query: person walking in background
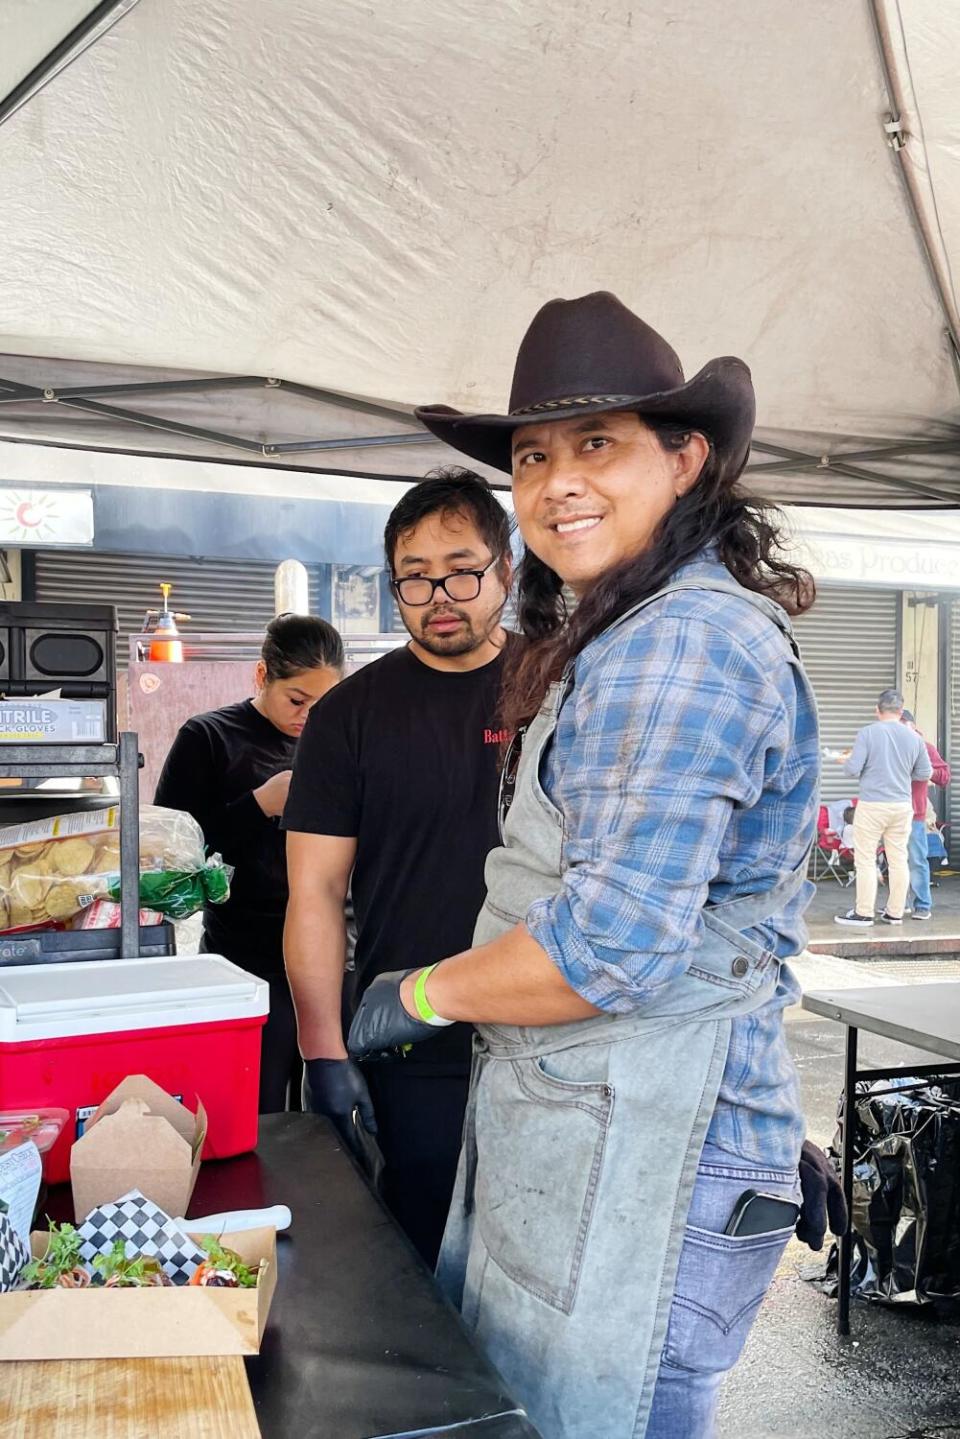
pixel 230 769
pixel 887 758
pixel 921 899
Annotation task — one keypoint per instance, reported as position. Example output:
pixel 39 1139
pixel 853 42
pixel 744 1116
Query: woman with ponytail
pixel 631 1166
pixel 230 769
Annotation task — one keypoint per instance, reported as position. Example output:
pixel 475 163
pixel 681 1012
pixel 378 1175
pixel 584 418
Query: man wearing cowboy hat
pixel 593 356
pixel 629 1175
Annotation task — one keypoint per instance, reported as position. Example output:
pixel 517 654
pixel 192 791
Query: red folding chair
pixel 830 856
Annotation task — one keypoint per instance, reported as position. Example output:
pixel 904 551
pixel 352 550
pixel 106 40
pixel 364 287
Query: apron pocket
pixel 533 1222
pixel 721 1282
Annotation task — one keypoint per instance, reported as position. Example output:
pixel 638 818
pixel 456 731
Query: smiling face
pixel 590 493
pixel 287 702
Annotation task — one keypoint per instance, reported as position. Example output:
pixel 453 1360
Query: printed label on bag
pixel 61 826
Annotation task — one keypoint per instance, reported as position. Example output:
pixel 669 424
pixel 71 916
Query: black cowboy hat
pixel 585 356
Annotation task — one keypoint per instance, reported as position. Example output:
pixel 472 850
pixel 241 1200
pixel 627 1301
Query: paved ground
pixel 898 1375
pixel 929 937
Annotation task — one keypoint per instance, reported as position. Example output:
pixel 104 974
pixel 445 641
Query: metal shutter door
pixel 849 646
pixel 953 731
pixel 223 596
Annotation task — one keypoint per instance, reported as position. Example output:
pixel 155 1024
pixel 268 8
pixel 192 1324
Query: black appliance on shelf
pixel 67 647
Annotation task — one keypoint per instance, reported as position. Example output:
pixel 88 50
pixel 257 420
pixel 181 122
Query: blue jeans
pixel 917 852
pixel 720 1286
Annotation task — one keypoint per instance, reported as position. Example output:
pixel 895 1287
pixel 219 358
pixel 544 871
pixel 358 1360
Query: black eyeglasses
pixel 461 586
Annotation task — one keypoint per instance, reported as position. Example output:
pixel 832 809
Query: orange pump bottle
pixel 166 647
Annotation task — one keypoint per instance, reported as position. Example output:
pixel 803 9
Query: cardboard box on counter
pixel 99 1323
pixel 139 1138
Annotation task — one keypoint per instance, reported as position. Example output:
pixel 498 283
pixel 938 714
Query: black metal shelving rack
pixel 122 761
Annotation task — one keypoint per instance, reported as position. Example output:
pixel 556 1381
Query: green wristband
pixel 424 1008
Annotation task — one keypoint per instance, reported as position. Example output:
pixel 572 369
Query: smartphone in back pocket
pixel 756 1213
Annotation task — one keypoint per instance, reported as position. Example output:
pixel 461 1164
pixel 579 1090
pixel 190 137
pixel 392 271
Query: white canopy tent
pixel 236 231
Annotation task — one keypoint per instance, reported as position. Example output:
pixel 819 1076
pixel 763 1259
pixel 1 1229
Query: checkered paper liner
pixel 146 1230
pixel 14 1255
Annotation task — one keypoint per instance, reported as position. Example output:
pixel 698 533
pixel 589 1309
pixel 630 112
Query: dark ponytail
pixel 294 643
pixel 745 531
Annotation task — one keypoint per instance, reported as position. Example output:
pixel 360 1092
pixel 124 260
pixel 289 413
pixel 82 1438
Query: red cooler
pixel 69 1033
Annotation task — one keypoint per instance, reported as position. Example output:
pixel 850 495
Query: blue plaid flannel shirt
pixel 686 764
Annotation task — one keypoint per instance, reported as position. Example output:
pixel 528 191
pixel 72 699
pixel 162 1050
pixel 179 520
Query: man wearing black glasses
pixel 395 784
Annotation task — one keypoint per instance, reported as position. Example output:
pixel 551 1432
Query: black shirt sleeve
pixel 189 781
pixel 325 789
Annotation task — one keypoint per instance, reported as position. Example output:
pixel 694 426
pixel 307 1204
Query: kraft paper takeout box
pixel 139 1138
pixel 97 1323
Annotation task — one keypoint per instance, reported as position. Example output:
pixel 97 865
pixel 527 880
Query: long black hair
pixel 746 532
pixel 294 643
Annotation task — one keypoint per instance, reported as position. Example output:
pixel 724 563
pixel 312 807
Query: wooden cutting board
pixel 127 1399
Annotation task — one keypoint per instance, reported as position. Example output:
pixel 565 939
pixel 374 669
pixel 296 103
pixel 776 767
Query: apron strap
pixel 774 612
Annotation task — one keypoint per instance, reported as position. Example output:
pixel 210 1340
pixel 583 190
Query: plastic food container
pixel 69 1033
pixel 41 1126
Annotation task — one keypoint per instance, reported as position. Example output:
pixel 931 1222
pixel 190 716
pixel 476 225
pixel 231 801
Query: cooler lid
pixel 105 996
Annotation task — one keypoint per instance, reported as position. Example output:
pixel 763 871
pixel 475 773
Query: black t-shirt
pixel 214 765
pixel 404 758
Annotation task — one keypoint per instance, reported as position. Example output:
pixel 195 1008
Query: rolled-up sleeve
pixel 673 724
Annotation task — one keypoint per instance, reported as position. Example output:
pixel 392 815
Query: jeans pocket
pixel 533 1223
pixel 721 1282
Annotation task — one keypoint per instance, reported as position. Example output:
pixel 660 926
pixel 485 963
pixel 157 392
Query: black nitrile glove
pixel 381 1022
pixel 822 1198
pixel 336 1087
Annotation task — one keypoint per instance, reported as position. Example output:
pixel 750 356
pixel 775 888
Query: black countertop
pixel 360 1343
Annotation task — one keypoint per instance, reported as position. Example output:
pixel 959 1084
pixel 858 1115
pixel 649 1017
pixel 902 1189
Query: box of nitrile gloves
pixel 43 721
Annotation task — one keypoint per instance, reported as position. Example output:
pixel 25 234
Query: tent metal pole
pixel 260 463
pixel 49 393
pixel 855 473
pixel 152 387
pixel 898 482
pixel 797 455
pixel 898 143
pixel 839 457
pixel 19 392
pixel 78 398
pixel 347 402
pixel 355 442
pixel 154 422
pixel 837 467
pixel 919 447
pixel 80 38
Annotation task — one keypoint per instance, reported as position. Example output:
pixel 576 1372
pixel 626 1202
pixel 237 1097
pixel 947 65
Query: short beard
pixel 462 642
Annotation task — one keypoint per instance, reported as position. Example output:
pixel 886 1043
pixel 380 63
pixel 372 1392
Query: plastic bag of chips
pixel 51 870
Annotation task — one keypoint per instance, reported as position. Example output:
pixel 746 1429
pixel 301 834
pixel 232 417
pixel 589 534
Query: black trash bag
pixel 906 1192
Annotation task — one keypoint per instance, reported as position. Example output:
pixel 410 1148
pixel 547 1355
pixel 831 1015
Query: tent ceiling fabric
pixel 374 200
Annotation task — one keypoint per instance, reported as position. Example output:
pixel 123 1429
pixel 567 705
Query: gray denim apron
pixel 581 1140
